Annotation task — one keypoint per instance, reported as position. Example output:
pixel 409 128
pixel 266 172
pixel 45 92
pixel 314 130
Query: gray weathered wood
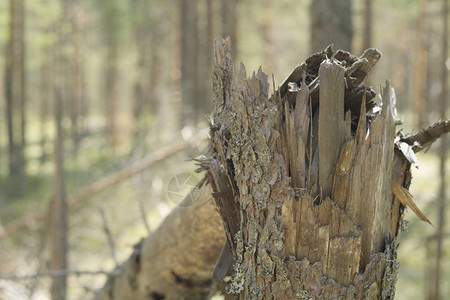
pixel 331 121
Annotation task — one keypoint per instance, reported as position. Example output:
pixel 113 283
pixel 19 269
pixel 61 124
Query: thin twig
pixel 109 236
pixel 144 217
pixel 57 273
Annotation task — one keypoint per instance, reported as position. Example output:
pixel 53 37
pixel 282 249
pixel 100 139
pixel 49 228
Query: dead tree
pixel 311 182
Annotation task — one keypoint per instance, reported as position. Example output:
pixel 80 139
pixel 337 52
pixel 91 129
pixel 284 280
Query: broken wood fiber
pixel 331 121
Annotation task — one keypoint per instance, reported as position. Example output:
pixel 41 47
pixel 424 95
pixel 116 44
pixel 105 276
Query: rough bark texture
pixel 311 178
pixel 177 260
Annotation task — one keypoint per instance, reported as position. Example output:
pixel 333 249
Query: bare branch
pixel 427 136
pixel 144 216
pixel 105 183
pixel 109 236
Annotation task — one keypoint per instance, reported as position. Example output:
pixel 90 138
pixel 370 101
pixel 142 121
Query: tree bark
pixel 311 179
pixel 176 261
pixel 331 23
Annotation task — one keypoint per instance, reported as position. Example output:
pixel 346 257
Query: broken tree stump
pixel 303 179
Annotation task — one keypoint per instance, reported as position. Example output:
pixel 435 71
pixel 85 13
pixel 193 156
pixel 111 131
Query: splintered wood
pixel 303 178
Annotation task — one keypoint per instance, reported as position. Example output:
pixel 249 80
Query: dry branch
pixel 110 181
pixel 107 230
pixel 427 136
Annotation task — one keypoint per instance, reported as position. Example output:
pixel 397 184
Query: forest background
pixel 131 78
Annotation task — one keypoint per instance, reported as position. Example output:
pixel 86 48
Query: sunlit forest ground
pixel 25 252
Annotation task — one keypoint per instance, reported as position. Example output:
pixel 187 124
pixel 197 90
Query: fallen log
pixel 176 261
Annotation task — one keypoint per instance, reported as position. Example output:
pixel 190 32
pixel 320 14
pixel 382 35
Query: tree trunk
pixel 331 23
pixel 420 71
pixel 142 27
pixel 15 97
pixel 229 23
pixel 112 29
pixel 58 230
pixel 72 12
pixel 442 152
pixel 189 63
pixel 176 261
pixel 367 35
pixel 111 92
pixel 311 178
pixel 209 33
pixel 46 97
